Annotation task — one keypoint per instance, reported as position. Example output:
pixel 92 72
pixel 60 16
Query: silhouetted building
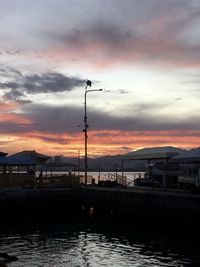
pixel 57 159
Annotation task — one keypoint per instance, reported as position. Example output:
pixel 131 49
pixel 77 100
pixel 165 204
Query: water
pixel 97 243
pixel 131 176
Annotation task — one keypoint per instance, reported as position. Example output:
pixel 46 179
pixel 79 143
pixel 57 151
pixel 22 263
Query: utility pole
pixel 88 84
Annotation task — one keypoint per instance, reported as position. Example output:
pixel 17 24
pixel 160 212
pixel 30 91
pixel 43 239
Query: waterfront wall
pixel 135 203
pixel 20 203
pixel 143 203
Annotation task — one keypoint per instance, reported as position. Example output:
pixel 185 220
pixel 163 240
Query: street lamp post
pixel 88 84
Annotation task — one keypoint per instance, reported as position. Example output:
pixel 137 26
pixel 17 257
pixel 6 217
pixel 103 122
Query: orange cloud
pixel 9 106
pixel 99 142
pixel 16 118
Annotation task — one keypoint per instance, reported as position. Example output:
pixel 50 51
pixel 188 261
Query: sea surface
pixel 90 242
pixel 81 242
pixel 131 176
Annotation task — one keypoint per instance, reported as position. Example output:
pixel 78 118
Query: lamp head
pixel 89 83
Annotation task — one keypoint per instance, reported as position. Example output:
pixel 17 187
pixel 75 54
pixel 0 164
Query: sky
pixel 144 54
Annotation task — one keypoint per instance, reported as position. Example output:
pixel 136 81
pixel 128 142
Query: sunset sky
pixel 145 55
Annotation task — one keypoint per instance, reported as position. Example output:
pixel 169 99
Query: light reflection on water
pixel 131 176
pixel 93 244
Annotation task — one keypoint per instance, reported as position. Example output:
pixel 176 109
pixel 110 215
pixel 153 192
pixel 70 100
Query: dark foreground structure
pixel 116 202
pixel 25 194
pixel 144 204
pixel 38 203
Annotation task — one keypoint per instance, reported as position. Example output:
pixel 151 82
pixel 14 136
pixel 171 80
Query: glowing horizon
pixel 100 143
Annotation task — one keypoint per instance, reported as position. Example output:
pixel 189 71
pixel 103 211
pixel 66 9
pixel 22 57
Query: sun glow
pixel 100 143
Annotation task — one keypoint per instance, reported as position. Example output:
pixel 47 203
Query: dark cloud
pixel 156 37
pixel 18 85
pixel 9 72
pixel 9 85
pixel 58 140
pixel 98 32
pixel 55 119
pixel 9 127
pixel 112 30
pixel 50 83
pixel 70 119
pixel 50 124
pixel 141 122
pixel 12 52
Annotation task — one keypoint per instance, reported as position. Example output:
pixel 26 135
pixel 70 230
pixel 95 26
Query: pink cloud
pixel 104 142
pixel 156 42
pixel 15 118
pixel 9 106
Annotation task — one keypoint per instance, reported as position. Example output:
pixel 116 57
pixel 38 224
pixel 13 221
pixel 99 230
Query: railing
pixel 122 180
pixel 187 179
pixel 55 180
pixel 15 179
pixel 25 180
pixel 89 179
pixel 114 178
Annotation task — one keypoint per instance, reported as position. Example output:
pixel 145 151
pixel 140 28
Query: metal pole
pixel 86 125
pixel 99 172
pixel 78 163
pixel 122 168
pixel 51 166
pixel 85 130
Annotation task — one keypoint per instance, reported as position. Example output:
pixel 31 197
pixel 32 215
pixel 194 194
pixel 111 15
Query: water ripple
pixel 80 245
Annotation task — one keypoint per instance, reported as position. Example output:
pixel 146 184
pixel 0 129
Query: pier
pixel 133 203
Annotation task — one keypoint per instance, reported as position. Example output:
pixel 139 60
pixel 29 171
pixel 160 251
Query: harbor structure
pixel 20 168
pixel 189 168
pixel 65 193
pixel 159 170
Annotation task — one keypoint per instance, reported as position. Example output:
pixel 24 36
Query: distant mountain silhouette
pixel 113 163
pixel 106 163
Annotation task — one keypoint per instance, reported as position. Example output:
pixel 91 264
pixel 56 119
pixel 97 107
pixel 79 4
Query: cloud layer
pixel 52 129
pixel 155 33
pixel 17 85
pixel 151 47
pixel 60 119
pixel 160 33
